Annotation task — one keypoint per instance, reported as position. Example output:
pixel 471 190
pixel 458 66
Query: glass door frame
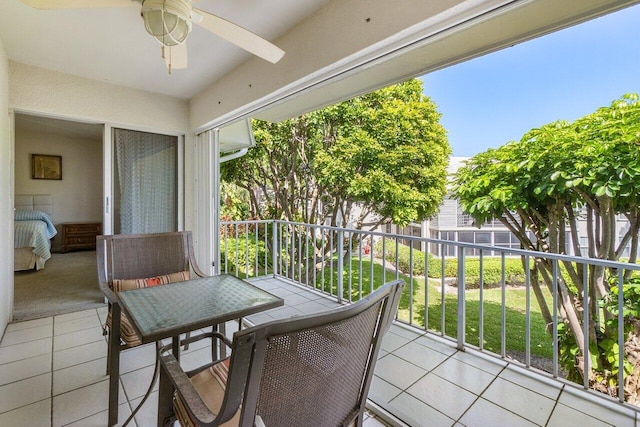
pixel 109 171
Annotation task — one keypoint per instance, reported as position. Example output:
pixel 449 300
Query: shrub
pixel 232 258
pixel 491 267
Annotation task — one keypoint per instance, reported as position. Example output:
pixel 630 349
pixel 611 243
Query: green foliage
pixel 242 254
pixel 491 266
pixel 605 354
pixel 541 184
pixel 385 151
pixel 234 204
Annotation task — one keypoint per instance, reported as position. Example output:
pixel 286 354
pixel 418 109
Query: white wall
pixel 78 196
pixel 6 202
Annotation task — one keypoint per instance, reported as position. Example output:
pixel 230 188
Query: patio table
pixel 170 310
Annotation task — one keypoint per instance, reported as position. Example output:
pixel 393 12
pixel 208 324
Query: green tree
pixel 384 153
pixel 555 176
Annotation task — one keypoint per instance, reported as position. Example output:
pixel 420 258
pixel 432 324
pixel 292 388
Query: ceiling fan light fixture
pixel 168 21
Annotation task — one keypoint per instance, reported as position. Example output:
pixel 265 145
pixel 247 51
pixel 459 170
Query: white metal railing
pixel 347 264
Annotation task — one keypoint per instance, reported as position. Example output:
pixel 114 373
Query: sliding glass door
pixel 145 182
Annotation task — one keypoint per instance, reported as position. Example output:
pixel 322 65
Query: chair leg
pixel 113 366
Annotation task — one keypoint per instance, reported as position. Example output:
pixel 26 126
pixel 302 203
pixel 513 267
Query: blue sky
pixel 496 98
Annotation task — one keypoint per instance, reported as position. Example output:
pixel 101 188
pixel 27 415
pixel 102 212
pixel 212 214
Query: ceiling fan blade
pixel 175 57
pixel 239 36
pixel 78 4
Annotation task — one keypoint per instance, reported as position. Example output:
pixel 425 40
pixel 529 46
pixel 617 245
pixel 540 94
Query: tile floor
pixel 52 374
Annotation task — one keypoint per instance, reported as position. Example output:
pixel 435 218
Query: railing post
pixel 339 248
pixel 274 248
pixel 461 299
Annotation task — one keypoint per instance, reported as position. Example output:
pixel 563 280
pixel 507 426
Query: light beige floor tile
pixel 597 407
pixel 36 414
pixel 398 372
pixel 284 312
pixel 538 383
pixel 102 418
pixel 519 400
pixel 294 300
pixel 26 335
pixel 136 383
pixel 259 318
pixel 137 357
pixel 29 324
pixel 16 352
pixel 488 364
pixel 80 354
pixel 148 413
pixel 75 315
pixel 420 355
pixel 442 395
pixel 417 413
pixel 82 403
pixel 437 345
pixel 74 339
pixel 311 307
pixel 25 368
pixel 392 342
pixel 406 332
pixel 485 414
pixel 195 359
pixel 78 376
pixel 381 391
pixel 464 375
pixel 25 392
pixel 102 314
pixel 76 325
pixel 564 416
pixel 373 422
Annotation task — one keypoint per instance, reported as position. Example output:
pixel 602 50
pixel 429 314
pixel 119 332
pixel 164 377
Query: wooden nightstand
pixel 77 236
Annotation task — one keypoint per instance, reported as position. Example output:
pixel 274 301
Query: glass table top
pixel 163 311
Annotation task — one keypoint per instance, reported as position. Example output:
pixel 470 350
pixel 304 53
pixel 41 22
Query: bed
pixel 33 231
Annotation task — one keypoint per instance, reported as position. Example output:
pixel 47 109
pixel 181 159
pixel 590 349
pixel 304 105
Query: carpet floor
pixel 68 283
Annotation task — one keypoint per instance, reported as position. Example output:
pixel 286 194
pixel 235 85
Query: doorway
pixel 66 282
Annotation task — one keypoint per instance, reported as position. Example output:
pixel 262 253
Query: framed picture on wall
pixel 45 166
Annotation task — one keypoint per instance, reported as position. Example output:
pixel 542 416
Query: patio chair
pixel 130 261
pixel 314 370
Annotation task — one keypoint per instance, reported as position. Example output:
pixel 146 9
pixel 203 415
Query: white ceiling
pixel 112 45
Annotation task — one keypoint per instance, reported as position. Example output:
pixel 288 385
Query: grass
pixel 357 279
pixel 412 310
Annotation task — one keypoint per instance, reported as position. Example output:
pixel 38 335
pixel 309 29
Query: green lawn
pixel 541 344
pixel 413 310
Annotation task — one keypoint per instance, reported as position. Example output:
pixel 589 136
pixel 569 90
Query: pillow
pixel 119 285
pixel 127 333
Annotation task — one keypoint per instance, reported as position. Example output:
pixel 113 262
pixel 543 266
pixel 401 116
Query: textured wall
pixel 43 91
pixel 6 204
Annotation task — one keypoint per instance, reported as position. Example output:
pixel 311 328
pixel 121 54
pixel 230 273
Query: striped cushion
pixel 127 333
pixel 210 385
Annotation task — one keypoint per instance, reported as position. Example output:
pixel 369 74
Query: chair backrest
pixel 134 256
pixel 311 370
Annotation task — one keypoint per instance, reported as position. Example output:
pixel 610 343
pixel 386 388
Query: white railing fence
pixel 483 297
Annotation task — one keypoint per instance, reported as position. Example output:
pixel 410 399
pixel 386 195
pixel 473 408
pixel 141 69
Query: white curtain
pixel 146 174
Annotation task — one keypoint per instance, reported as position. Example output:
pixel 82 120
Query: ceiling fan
pixel 170 22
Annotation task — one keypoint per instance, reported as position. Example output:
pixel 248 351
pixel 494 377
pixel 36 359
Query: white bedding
pixel 33 230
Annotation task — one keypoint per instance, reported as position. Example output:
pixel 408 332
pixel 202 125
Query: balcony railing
pixel 478 299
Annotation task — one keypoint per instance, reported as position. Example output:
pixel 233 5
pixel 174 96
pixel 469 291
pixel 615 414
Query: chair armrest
pixel 109 294
pixel 196 407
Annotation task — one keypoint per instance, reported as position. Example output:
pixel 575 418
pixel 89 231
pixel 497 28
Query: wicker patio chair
pixel 313 370
pixel 129 261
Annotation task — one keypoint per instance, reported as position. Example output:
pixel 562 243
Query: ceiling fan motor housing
pixel 168 21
